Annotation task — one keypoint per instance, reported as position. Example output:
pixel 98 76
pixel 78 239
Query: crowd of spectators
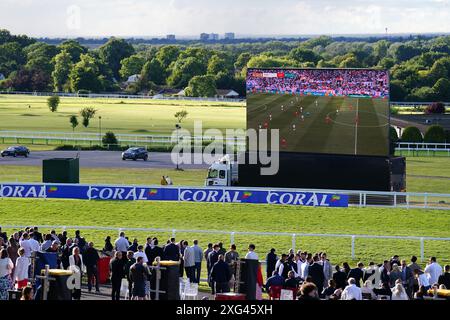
pixel 307 275
pixel 334 82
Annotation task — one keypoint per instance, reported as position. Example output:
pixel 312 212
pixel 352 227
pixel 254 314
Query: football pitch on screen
pixel 323 124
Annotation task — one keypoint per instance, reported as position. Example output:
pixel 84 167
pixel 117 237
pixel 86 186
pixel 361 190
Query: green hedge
pixel 412 134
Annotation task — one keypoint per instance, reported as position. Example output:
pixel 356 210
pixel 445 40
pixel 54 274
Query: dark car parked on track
pixel 135 153
pixel 16 151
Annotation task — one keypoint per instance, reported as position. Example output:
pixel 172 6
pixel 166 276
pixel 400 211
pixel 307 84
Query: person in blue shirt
pixel 274 280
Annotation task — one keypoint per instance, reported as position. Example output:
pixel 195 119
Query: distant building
pixel 213 36
pixel 204 36
pixel 132 79
pixel 170 37
pixel 229 36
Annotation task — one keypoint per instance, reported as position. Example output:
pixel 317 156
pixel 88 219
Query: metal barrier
pixel 232 234
pixel 95 138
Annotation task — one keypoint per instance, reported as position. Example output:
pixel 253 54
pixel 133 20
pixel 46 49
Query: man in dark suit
pixel 37 235
pixel 153 251
pixel 213 257
pixel 90 259
pixel 445 277
pixel 171 251
pixel 117 268
pixel 340 277
pixel 316 272
pixel 407 277
pixel 220 276
pixel 357 273
pixel 271 261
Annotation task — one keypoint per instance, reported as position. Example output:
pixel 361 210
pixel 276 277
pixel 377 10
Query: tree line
pixel 419 67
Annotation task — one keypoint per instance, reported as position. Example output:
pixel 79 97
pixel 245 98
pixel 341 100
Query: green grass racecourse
pixel 131 116
pixel 236 217
pixel 424 174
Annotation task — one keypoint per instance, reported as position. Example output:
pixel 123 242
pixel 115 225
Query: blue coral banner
pixel 171 193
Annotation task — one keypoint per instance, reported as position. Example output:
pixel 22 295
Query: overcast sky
pixel 244 17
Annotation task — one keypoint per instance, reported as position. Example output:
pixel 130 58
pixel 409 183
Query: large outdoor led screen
pixel 332 111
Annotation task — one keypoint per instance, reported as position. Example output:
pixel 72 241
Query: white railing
pixel 422 148
pixel 293 236
pixel 95 137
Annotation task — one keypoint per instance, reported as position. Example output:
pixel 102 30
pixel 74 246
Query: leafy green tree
pixel 109 139
pixel 421 94
pixel 11 57
pixel 131 65
pixel 152 71
pixel 40 56
pixel 52 103
pixel 87 114
pixel 434 134
pixel 113 52
pixel 406 51
pixel 201 86
pixel 29 80
pixel 61 72
pixel 181 115
pixel 380 49
pixel 74 48
pixel 304 55
pixel 441 89
pixel 184 70
pixel 412 134
pixel 85 75
pixel 264 61
pixel 350 61
pixel 242 60
pixel 167 54
pixel 73 122
pixel 216 65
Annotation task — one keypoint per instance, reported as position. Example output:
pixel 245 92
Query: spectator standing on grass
pixel 357 274
pixel 117 268
pixel 340 278
pixel 274 281
pixel 222 250
pixel 134 246
pixel 230 258
pixel 13 249
pixel 206 253
pixel 171 251
pixel 181 246
pixel 81 241
pixel 90 260
pixel 444 279
pixel 6 267
pixel 271 260
pixel 76 262
pixel 251 254
pixel 330 289
pixel 291 282
pixel 65 253
pixel 394 275
pixel 108 248
pixel 433 271
pixel 47 243
pixel 327 269
pixel 407 277
pixel 316 272
pixel 198 256
pixel 213 257
pixel 140 253
pixel 155 251
pixel 37 235
pixel 220 276
pixel 21 269
pixel 130 261
pixel 413 265
pixel 139 275
pixel 121 244
pixel 352 291
pixel 368 272
pixel 189 262
pixel 422 279
pixel 346 269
